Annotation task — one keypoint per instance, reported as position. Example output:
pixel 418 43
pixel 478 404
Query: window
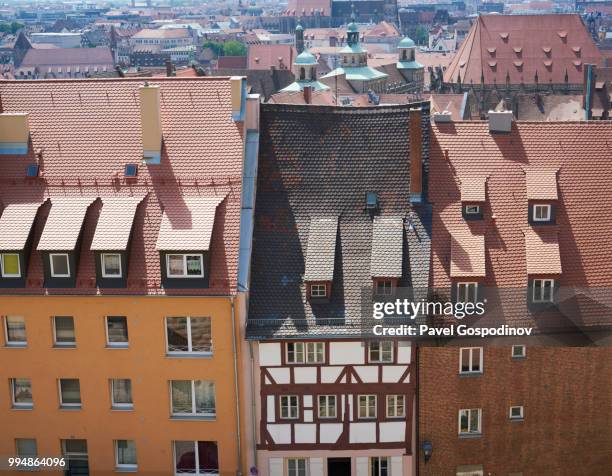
pixel 111 265
pixel 189 334
pixel 519 351
pixel 184 266
pixel 116 331
pixel 384 287
pixel 70 392
pixel 367 406
pixel 296 467
pixel 305 352
pixel 63 332
pixel 327 406
pixel 193 398
pixel 125 454
pixel 467 292
pixel 21 392
pixel 60 267
pixel 395 406
pixel 380 351
pixel 15 331
pixel 75 450
pixel 379 466
pixel 121 394
pixel 516 413
pixel 318 290
pixel 10 266
pixel 26 448
pixel 472 209
pixel 469 421
pixel 196 457
pixel 470 360
pixel 541 212
pixel 289 407
pixel 543 290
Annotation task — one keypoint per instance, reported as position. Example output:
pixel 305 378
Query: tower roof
pixel 305 57
pixel 406 43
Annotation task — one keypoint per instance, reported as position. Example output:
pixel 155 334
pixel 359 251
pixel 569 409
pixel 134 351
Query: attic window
pixel 372 201
pixel 32 171
pixel 318 291
pixel 131 170
pixel 542 212
pixel 384 287
pixel 10 266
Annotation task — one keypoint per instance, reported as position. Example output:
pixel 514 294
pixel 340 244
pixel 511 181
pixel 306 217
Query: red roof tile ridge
pixel 132 79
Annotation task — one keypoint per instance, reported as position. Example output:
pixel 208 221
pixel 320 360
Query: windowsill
pixel 194 417
pixel 366 419
pixel 127 469
pixel 470 374
pixel 60 346
pixel 469 436
pixel 517 419
pixel 16 345
pixel 117 346
pixel 189 355
pixel 519 357
pixel 71 407
pixel 127 408
pixel 22 407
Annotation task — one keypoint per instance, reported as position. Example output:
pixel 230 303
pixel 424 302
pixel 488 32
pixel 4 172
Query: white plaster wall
pixel 308 415
pixel 305 433
pixel 280 374
pixel 343 353
pixel 392 373
pixel 271 408
pixel 305 374
pixel 308 400
pixel 276 466
pixel 362 432
pixel 315 467
pixel 391 431
pixel 330 374
pixel 361 466
pixel 269 354
pixel 396 466
pixel 330 432
pixel 368 374
pixel 280 433
pixel 404 350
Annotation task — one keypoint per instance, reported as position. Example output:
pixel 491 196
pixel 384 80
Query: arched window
pixel 313 74
pixel 302 73
pixel 412 55
pixel 352 60
pixel 404 55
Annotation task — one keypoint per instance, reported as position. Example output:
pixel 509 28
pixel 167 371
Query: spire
pixel 352 31
pixel 299 37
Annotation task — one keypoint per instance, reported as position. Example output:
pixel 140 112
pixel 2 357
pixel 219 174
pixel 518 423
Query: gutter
pixel 236 388
pixel 253 405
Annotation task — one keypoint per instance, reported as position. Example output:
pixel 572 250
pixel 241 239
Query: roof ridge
pixel 138 78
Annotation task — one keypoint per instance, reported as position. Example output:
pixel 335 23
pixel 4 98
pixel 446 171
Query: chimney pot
pixel 14 133
pixel 500 121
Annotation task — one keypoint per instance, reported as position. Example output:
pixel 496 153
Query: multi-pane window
pixel 75 451
pixel 379 466
pixel 189 334
pixel 516 412
pixel 367 406
pixel 121 393
pixel 15 331
pixel 470 360
pixel 519 351
pixel 470 421
pixel 543 290
pixel 196 457
pixel 289 407
pixel 60 265
pixel 296 466
pixel 184 266
pixel 305 352
pixel 467 292
pixel 472 209
pixel 9 265
pixel 26 448
pixel 193 398
pixel 70 392
pixel 327 406
pixel 318 290
pixel 111 265
pixel 125 455
pixel 384 287
pixel 63 331
pixel 541 212
pixel 116 331
pixel 21 392
pixel 396 407
pixel 380 351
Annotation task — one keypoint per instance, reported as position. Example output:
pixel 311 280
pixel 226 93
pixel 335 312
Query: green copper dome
pixel 305 57
pixel 299 27
pixel 352 26
pixel 406 43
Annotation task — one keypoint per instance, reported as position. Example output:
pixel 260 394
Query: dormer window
pixel 320 257
pixel 387 254
pixel 185 265
pixel 10 266
pixel 384 287
pixel 467 292
pixel 111 265
pixel 542 213
pixel 542 290
pixel 472 197
pixel 542 195
pixel 59 264
pixel 318 291
pixel 472 210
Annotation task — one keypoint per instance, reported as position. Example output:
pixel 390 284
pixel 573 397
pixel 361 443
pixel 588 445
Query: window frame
pixel 203 353
pixel 387 290
pixel 185 275
pixel 523 354
pixel 297 469
pixel 5 275
pixel 194 413
pixel 198 470
pixel 466 285
pixel 52 271
pixel 381 351
pixel 387 459
pixel 546 206
pixel 327 406
pixel 63 345
pixel 473 213
pixel 19 455
pixel 64 405
pixel 125 466
pixel 522 412
pixel 289 407
pixel 367 397
pixel 317 294
pixel 394 398
pixel 120 405
pixel 103 269
pixel 543 282
pixel 305 352
pixel 20 405
pixel 469 420
pixel 116 345
pixel 471 361
pixel 14 343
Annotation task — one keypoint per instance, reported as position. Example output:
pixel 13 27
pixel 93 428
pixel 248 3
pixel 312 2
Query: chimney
pixel 588 90
pixel 150 117
pixel 500 121
pixel 308 94
pixel 169 68
pixel 238 91
pixel 14 133
pixel 444 116
pixel 416 157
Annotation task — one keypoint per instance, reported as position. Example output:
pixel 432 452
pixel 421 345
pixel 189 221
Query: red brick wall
pixel 567 399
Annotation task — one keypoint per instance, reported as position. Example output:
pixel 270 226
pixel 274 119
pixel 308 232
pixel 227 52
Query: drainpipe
pixel 253 405
pixel 417 448
pixel 587 102
pixel 236 388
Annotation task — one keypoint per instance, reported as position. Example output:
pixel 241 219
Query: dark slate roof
pixel 320 161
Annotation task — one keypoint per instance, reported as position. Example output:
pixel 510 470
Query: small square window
pixel 125 455
pixel 470 360
pixel 111 265
pixel 289 407
pixel 26 448
pixel 121 394
pixel 541 212
pixel 384 287
pixel 380 351
pixel 396 406
pixel 467 292
pixel 367 406
pixel 32 171
pixel 15 331
pixel 184 266
pixel 327 406
pixel 193 398
pixel 516 413
pixel 318 290
pixel 472 209
pixel 70 393
pixel 63 332
pixel 189 335
pixel 116 331
pixel 21 393
pixel 60 265
pixel 131 170
pixel 543 290
pixel 470 421
pixel 519 351
pixel 10 266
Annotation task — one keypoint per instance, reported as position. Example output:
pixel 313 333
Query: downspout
pixel 587 105
pixel 236 388
pixel 253 405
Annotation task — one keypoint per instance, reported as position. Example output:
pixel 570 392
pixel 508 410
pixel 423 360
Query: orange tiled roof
pixel 467 255
pixel 473 188
pixel 541 184
pixel 542 252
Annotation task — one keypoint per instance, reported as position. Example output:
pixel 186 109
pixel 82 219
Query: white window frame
pixel 14 343
pixel 53 273
pixel 472 212
pixel 184 275
pixel 198 470
pixel 545 206
pixel 306 469
pixel 69 405
pixel 367 397
pixel 20 405
pixel 523 351
pixel 193 401
pixel 103 268
pixel 120 345
pixel 464 296
pixel 392 404
pixel 380 359
pixel 308 348
pixel 471 360
pixel 119 405
pixel 379 458
pixel 69 345
pixel 315 290
pixel 386 290
pixel 289 407
pixel 327 405
pixel 522 412
pixel 542 287
pixel 8 275
pixel 469 414
pixel 124 466
pixel 190 350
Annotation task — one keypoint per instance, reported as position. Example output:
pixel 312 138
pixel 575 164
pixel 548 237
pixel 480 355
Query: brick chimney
pixel 14 133
pixel 308 94
pixel 150 117
pixel 416 157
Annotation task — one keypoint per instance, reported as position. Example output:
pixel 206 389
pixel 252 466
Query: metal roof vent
pixel 500 121
pixel 444 116
pixel 372 201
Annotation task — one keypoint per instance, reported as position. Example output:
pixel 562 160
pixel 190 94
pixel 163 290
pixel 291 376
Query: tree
pixel 215 46
pixel 234 48
pixel 12 28
pixel 421 35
